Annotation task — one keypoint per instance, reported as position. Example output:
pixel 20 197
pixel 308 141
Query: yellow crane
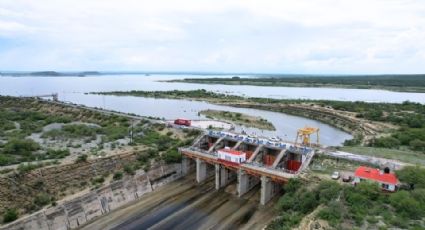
pixel 305 135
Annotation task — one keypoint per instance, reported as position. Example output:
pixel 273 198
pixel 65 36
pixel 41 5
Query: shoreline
pixel 400 89
pixel 239 118
pixel 345 121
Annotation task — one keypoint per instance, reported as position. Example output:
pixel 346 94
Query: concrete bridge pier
pixel 185 165
pixel 223 176
pixel 268 189
pixel 201 170
pixel 245 182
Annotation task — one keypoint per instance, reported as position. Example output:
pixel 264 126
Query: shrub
pixel 386 142
pixel 413 175
pixel 42 199
pixel 332 213
pixel 57 153
pixel 172 156
pixel 405 205
pixel 10 215
pixel 23 168
pixel 21 147
pixel 129 170
pixel 98 180
pixel 117 176
pixel 417 145
pixel 143 157
pixel 81 158
pixel 328 190
pixel 6 159
pixel 292 186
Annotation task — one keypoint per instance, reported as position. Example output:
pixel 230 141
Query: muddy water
pixel 184 204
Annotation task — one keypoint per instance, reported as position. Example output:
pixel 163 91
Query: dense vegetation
pixel 161 143
pixel 409 116
pixel 414 83
pixel 19 118
pixel 178 94
pixel 362 206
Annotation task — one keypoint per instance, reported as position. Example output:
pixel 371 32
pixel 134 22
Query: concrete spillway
pixel 185 204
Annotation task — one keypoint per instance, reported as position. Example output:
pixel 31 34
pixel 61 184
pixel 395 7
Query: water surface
pixel 72 89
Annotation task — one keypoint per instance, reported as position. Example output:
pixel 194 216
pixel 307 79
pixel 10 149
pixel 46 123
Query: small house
pixel 231 156
pixel 387 180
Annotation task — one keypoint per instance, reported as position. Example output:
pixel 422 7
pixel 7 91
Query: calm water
pixel 72 89
pixel 66 85
pixel 286 125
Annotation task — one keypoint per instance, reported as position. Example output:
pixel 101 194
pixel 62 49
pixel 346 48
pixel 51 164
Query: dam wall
pixel 73 213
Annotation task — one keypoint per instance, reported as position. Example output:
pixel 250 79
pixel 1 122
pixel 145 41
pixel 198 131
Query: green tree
pixel 412 175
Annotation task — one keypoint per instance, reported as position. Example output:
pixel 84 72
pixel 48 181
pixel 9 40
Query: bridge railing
pixel 271 168
pixel 198 151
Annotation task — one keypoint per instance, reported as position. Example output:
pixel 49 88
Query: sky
pixel 262 36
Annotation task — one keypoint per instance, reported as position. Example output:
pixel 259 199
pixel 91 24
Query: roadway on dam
pixel 184 204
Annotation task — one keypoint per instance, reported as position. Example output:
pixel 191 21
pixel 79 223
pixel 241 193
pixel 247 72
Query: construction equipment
pixel 305 135
pixel 181 121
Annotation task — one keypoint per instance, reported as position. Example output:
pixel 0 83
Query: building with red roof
pixel 232 156
pixel 387 180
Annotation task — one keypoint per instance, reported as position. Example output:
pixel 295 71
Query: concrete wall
pixel 74 213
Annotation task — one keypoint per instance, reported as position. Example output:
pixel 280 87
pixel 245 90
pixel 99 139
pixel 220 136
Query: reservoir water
pixel 72 89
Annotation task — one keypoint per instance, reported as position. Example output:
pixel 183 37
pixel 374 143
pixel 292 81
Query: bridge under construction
pixel 248 160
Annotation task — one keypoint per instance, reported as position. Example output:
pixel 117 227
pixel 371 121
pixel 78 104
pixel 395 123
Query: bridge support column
pixel 268 190
pixel 185 165
pixel 222 176
pixel 201 170
pixel 245 182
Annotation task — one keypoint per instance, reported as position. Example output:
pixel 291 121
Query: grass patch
pixel 395 154
pixel 72 131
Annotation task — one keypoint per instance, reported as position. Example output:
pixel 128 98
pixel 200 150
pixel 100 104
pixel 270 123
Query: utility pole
pixel 131 132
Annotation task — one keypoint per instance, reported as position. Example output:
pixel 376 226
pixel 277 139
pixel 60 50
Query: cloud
pixel 324 36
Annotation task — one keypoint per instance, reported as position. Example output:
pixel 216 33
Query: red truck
pixel 182 122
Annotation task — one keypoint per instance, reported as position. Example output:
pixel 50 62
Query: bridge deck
pixel 276 174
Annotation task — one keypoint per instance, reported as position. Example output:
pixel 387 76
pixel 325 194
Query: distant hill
pixel 50 74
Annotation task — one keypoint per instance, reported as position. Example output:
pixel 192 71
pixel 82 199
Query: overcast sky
pixel 282 36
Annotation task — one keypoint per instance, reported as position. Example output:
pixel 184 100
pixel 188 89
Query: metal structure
pixel 305 135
